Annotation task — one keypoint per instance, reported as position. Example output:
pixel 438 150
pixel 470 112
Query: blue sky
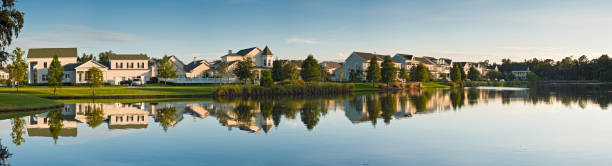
pixel 470 30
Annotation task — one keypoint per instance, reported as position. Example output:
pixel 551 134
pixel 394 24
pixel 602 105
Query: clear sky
pixel 470 30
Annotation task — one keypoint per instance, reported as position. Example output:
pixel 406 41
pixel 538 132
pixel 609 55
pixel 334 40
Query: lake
pixel 474 126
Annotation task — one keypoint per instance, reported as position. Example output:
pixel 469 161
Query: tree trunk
pixel 94 92
pixel 54 91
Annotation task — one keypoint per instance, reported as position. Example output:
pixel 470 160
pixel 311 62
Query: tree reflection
pixel 473 95
pixel 420 102
pixel 56 123
pixel 266 107
pixel 311 111
pixel 373 108
pixel 94 116
pixel 457 98
pixel 388 106
pixel 277 113
pixel 18 130
pixel 4 155
pixel 244 113
pixel 166 117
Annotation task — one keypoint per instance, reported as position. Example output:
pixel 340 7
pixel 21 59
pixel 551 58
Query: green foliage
pixel 84 58
pixel 455 73
pixel 165 69
pixel 373 73
pixel 310 70
pixel 356 76
pixel 266 79
pixel 288 89
pixel 221 71
pixel 532 77
pixel 474 74
pixel 95 78
pixel 388 72
pixel 278 71
pixel 4 154
pixel 494 75
pixel 17 70
pixel 166 117
pixel 290 71
pixel 56 74
pixel 419 73
pixel 18 130
pixel 94 116
pixel 403 74
pixel 12 22
pixel 245 70
pixel 56 123
pixel 388 107
pixel 104 56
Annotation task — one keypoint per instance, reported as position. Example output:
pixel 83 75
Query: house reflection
pixel 54 123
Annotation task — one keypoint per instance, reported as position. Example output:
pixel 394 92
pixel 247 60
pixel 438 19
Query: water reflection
pixel 256 115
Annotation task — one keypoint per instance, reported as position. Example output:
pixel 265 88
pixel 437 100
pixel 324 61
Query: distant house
pixel 39 61
pixel 520 71
pixel 262 59
pixel 197 68
pixel 330 66
pixel 4 74
pixel 442 67
pixel 358 61
pixel 467 65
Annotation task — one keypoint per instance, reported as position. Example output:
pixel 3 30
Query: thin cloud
pixel 295 40
pixel 80 32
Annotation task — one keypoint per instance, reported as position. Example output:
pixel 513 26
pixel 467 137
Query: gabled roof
pixel 368 56
pixel 189 67
pixel 71 66
pixel 243 52
pixel 330 64
pixel 520 68
pixel 405 56
pixel 128 57
pixel 50 52
pixel 424 60
pixel 267 51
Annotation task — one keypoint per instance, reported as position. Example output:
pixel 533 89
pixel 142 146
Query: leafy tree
pixel 388 72
pixel 266 80
pixel 310 113
pixel 403 74
pixel 310 70
pixel 492 75
pixel 419 73
pixel 356 76
pixel 56 74
pixel 291 71
pixel 462 72
pixel 532 77
pixel 104 56
pixel 18 130
pixel 166 117
pixel 84 58
pixel 244 70
pixel 455 73
pixel 510 77
pixel 374 108
pixel 95 79
pixel 56 123
pixel 11 23
pixel 4 154
pixel 373 72
pixel 165 69
pixel 278 70
pixel 18 69
pixel 388 106
pixel 474 74
pixel 222 71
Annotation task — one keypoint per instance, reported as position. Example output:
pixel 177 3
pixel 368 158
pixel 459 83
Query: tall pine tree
pixel 373 71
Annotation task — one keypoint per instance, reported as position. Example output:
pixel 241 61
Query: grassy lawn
pixel 154 100
pixel 114 90
pixel 24 102
pixel 435 85
pixel 364 87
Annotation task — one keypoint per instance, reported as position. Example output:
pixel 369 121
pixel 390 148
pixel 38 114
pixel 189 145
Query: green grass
pixel 365 87
pixel 435 85
pixel 154 100
pixel 114 90
pixel 11 102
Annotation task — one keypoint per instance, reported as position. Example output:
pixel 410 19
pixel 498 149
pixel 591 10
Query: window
pixel 45 65
pixel 67 76
pixel 132 65
pixel 44 77
pixel 121 65
pixel 116 65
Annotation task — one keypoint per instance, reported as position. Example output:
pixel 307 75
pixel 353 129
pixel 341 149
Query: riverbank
pixel 10 102
pixel 110 92
pixel 303 89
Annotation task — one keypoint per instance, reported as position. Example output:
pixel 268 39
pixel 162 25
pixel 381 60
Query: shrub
pixel 288 89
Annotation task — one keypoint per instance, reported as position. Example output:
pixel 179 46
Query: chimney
pixel 229 51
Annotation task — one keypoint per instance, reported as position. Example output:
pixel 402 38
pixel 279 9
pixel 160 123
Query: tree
pixel 244 70
pixel 356 76
pixel 291 71
pixel 4 154
pixel 388 72
pixel 373 71
pixel 84 58
pixel 494 75
pixel 463 75
pixel 455 73
pixel 266 80
pixel 11 23
pixel 18 69
pixel 166 117
pixel 341 75
pixel 56 74
pixel 277 70
pixel 403 74
pixel 419 73
pixel 18 130
pixel 221 70
pixel 310 70
pixel 104 56
pixel 94 116
pixel 165 69
pixel 473 74
pixel 95 79
pixel 325 76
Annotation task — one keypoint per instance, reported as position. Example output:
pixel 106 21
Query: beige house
pixel 197 68
pixel 358 61
pixel 39 61
pixel 262 59
pixel 4 74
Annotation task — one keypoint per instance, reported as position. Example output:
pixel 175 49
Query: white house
pixel 520 71
pixel 4 74
pixel 358 61
pixel 262 59
pixel 197 68
pixel 39 61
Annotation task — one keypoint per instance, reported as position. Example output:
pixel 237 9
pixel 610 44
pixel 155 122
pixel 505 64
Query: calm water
pixel 487 126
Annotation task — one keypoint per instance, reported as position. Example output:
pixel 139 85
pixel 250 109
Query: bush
pixel 266 79
pixel 289 89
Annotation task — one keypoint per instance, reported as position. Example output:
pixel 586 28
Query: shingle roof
pixel 243 52
pixel 128 57
pixel 368 56
pixel 71 66
pixel 330 64
pixel 424 60
pixel 267 51
pixel 405 56
pixel 50 52
pixel 194 64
